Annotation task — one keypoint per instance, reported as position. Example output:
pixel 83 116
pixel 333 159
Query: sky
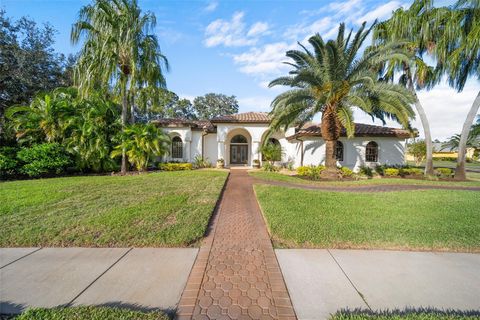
pixel 238 47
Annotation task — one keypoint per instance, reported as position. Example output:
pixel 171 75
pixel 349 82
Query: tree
pixel 331 80
pixel 28 63
pixel 88 134
pixel 271 152
pixel 418 149
pixel 141 142
pixel 43 120
pixel 119 49
pixel 407 25
pixel 457 51
pixel 213 105
pixel 155 103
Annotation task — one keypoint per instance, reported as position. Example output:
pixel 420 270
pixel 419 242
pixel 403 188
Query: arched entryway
pixel 238 147
pixel 239 150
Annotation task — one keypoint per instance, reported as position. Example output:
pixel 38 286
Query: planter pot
pixel 256 165
pixel 220 165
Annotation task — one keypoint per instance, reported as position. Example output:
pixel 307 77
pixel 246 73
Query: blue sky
pixel 237 47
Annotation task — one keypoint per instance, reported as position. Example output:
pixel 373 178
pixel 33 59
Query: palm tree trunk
pixel 460 173
pixel 330 129
pixel 425 125
pixel 132 111
pixel 124 168
pixel 428 137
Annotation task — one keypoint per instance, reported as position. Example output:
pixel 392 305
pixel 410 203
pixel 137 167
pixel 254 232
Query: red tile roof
pixel 361 130
pixel 247 117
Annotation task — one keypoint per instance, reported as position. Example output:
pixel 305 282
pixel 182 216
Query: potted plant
pixel 256 163
pixel 220 163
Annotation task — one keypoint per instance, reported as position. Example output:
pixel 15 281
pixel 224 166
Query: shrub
pixel 380 169
pixel 267 166
pixel 391 172
pixel 8 161
pixel 418 150
pixel 175 166
pixel 413 171
pixel 43 159
pixel 346 172
pixel 311 172
pixel 200 162
pixel 444 172
pixel 366 171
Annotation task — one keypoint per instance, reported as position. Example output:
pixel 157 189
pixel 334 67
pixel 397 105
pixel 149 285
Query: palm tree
pixel 407 25
pixel 473 140
pixel 333 80
pixel 118 49
pixel 89 134
pixel 457 50
pixel 44 118
pixel 141 142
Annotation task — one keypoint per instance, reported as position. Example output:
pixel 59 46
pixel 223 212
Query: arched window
pixel 339 151
pixel 371 152
pixel 239 139
pixel 177 148
pixel 277 143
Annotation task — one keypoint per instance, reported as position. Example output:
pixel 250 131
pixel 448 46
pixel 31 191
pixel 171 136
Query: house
pixel 236 139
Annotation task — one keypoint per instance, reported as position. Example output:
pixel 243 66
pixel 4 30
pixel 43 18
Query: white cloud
pixel 263 61
pixel 257 29
pixel 256 103
pixel 306 29
pixel 233 33
pixel 380 12
pixel 212 5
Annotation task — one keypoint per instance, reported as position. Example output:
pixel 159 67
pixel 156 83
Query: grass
pixel 273 176
pixel 449 164
pixel 442 220
pixel 157 209
pixel 407 315
pixel 91 313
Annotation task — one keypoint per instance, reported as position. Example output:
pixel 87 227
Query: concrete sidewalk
pixel 321 282
pixel 142 278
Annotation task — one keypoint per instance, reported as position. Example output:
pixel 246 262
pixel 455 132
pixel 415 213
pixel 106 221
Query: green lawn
pixel 410 315
pixel 156 209
pixel 274 176
pixel 421 220
pixel 91 313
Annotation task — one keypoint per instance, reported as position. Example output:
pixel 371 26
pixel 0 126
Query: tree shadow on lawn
pixel 408 313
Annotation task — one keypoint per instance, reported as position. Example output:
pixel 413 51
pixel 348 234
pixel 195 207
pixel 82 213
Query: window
pixel 339 151
pixel 371 152
pixel 177 148
pixel 239 139
pixel 277 143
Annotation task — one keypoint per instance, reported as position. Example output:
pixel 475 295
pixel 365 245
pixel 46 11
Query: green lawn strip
pixel 273 176
pixel 91 313
pixel 407 315
pixel 418 220
pixel 157 209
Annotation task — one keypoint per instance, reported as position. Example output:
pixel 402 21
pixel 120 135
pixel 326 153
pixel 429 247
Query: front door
pixel 238 154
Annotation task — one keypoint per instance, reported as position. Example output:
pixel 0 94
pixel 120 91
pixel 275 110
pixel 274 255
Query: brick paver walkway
pixel 236 274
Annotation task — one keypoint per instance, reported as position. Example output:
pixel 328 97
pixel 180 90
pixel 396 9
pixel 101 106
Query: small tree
pixel 141 142
pixel 419 151
pixel 271 152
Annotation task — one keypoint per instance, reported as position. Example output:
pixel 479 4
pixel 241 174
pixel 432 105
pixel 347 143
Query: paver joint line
pixel 96 279
pixel 241 275
pixel 26 255
pixel 349 280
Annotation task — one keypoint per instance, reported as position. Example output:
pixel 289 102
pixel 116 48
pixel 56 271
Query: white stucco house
pixel 237 138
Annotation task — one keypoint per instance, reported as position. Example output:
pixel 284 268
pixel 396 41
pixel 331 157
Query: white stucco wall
pixel 390 151
pixel 217 145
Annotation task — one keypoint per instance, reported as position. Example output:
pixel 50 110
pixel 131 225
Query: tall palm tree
pixel 457 51
pixel 333 80
pixel 118 49
pixel 407 25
